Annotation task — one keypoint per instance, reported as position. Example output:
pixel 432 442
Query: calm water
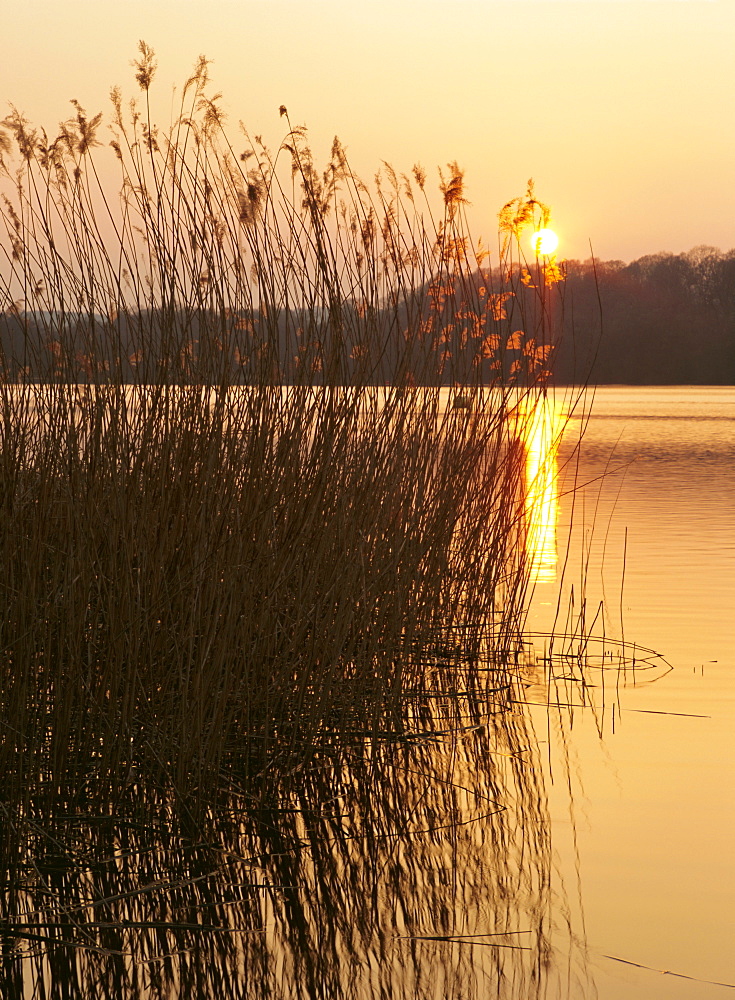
pixel 647 841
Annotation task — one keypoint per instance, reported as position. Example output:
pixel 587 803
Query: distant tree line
pixel 662 319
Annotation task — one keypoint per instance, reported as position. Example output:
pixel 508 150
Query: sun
pixel 544 242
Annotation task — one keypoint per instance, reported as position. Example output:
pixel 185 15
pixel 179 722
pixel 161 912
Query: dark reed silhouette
pixel 264 581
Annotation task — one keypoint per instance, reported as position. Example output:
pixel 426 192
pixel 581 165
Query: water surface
pixel 654 803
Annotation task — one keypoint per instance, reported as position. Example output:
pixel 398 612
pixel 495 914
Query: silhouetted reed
pixel 233 495
pixel 262 511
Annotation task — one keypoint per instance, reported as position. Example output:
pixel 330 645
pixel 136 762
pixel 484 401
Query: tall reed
pixel 258 444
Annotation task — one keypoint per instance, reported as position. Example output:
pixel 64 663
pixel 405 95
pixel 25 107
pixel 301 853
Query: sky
pixel 622 111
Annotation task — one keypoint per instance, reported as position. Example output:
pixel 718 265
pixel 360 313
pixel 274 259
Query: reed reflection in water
pixel 411 864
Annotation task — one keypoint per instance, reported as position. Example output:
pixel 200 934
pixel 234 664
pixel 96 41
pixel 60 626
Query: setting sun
pixel 544 242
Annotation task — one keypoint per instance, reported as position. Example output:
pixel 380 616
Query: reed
pixel 239 506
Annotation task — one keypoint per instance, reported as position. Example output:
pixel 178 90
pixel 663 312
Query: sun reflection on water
pixel 541 423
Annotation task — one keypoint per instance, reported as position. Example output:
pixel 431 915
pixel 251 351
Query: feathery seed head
pixel 419 175
pixel 146 65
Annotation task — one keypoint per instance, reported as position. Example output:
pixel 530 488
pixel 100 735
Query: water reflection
pixel 411 864
pixel 541 423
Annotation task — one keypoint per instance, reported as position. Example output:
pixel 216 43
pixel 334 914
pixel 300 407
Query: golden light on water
pixel 540 426
pixel 544 242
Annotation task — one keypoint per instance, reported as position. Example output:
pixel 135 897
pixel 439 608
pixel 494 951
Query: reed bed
pixel 257 443
pixel 264 516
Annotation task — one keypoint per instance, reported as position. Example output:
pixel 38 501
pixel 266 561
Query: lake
pixel 645 840
pixel 546 823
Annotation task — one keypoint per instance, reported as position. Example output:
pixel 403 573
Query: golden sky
pixel 623 111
